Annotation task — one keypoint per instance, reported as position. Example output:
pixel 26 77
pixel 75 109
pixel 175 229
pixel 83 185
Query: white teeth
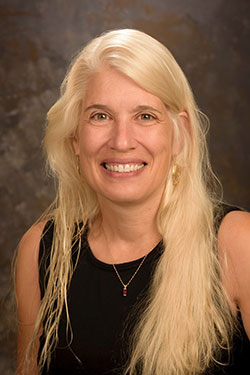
pixel 127 168
pixel 121 168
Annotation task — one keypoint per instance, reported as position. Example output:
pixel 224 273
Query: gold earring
pixel 176 174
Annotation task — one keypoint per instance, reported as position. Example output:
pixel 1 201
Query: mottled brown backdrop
pixel 210 40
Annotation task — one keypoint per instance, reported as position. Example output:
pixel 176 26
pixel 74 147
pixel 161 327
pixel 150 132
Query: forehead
pixel 110 86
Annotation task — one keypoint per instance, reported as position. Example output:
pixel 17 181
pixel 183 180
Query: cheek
pixel 90 142
pixel 161 144
pixel 163 155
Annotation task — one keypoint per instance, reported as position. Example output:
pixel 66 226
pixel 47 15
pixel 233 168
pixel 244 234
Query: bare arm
pixel 27 295
pixel 234 242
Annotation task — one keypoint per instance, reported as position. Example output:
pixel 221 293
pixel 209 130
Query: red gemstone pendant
pixel 124 291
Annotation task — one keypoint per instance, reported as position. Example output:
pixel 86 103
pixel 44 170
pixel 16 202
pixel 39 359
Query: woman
pixel 126 273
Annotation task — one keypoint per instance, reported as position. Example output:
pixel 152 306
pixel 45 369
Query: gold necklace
pixel 124 292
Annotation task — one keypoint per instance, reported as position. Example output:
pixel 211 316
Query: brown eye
pixel 100 116
pixel 147 117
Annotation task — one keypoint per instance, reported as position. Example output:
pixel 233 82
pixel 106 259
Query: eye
pixel 99 116
pixel 147 117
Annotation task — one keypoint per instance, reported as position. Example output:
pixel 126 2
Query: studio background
pixel 209 39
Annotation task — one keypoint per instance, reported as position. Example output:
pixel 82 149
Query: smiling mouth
pixel 123 168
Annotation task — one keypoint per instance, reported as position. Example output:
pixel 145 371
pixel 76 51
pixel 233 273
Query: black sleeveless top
pixel 102 318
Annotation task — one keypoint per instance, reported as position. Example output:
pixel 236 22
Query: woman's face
pixel 125 140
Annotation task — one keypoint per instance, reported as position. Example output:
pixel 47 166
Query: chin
pixel 124 198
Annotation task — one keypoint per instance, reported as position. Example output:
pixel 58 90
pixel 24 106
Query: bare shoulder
pixel 234 235
pixel 27 275
pixel 234 245
pixel 236 219
pixel 29 245
pixel 28 295
pixel 27 253
pixel 32 236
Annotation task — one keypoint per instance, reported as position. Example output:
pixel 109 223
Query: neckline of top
pixel 151 256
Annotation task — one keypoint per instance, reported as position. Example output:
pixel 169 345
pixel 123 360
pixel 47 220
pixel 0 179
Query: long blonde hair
pixel 187 318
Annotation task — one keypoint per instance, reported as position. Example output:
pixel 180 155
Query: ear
pixel 181 126
pixel 75 142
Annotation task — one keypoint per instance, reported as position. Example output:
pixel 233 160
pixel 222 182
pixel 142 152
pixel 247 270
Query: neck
pixel 124 232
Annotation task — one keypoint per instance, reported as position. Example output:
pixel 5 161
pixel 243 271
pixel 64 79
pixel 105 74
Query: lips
pixel 123 166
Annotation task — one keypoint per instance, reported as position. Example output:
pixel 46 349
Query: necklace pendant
pixel 124 293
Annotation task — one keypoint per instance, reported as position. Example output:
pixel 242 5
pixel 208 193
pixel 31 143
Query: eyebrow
pixel 145 108
pixel 138 108
pixel 96 106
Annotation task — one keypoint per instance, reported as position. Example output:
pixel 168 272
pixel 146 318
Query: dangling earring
pixel 176 174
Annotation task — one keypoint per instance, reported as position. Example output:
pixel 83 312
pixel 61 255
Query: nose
pixel 122 135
